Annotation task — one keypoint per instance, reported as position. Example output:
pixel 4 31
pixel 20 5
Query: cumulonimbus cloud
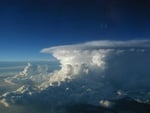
pixel 90 72
pixel 90 56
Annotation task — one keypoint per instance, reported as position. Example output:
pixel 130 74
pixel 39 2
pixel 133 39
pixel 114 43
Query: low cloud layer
pixel 89 73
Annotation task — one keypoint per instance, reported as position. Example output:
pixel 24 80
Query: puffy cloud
pixel 106 103
pixel 4 103
pixel 25 70
pixel 21 75
pixel 92 56
pixel 91 72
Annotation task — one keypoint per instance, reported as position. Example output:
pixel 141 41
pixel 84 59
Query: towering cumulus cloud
pixel 110 59
pixel 25 71
pixel 90 73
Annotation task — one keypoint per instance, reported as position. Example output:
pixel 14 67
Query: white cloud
pixel 90 56
pixel 104 44
pixel 90 72
pixel 106 103
pixel 25 70
pixel 4 103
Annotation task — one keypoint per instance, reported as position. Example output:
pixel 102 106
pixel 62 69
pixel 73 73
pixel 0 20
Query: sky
pixel 27 26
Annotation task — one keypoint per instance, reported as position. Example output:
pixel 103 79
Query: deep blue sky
pixel 27 26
